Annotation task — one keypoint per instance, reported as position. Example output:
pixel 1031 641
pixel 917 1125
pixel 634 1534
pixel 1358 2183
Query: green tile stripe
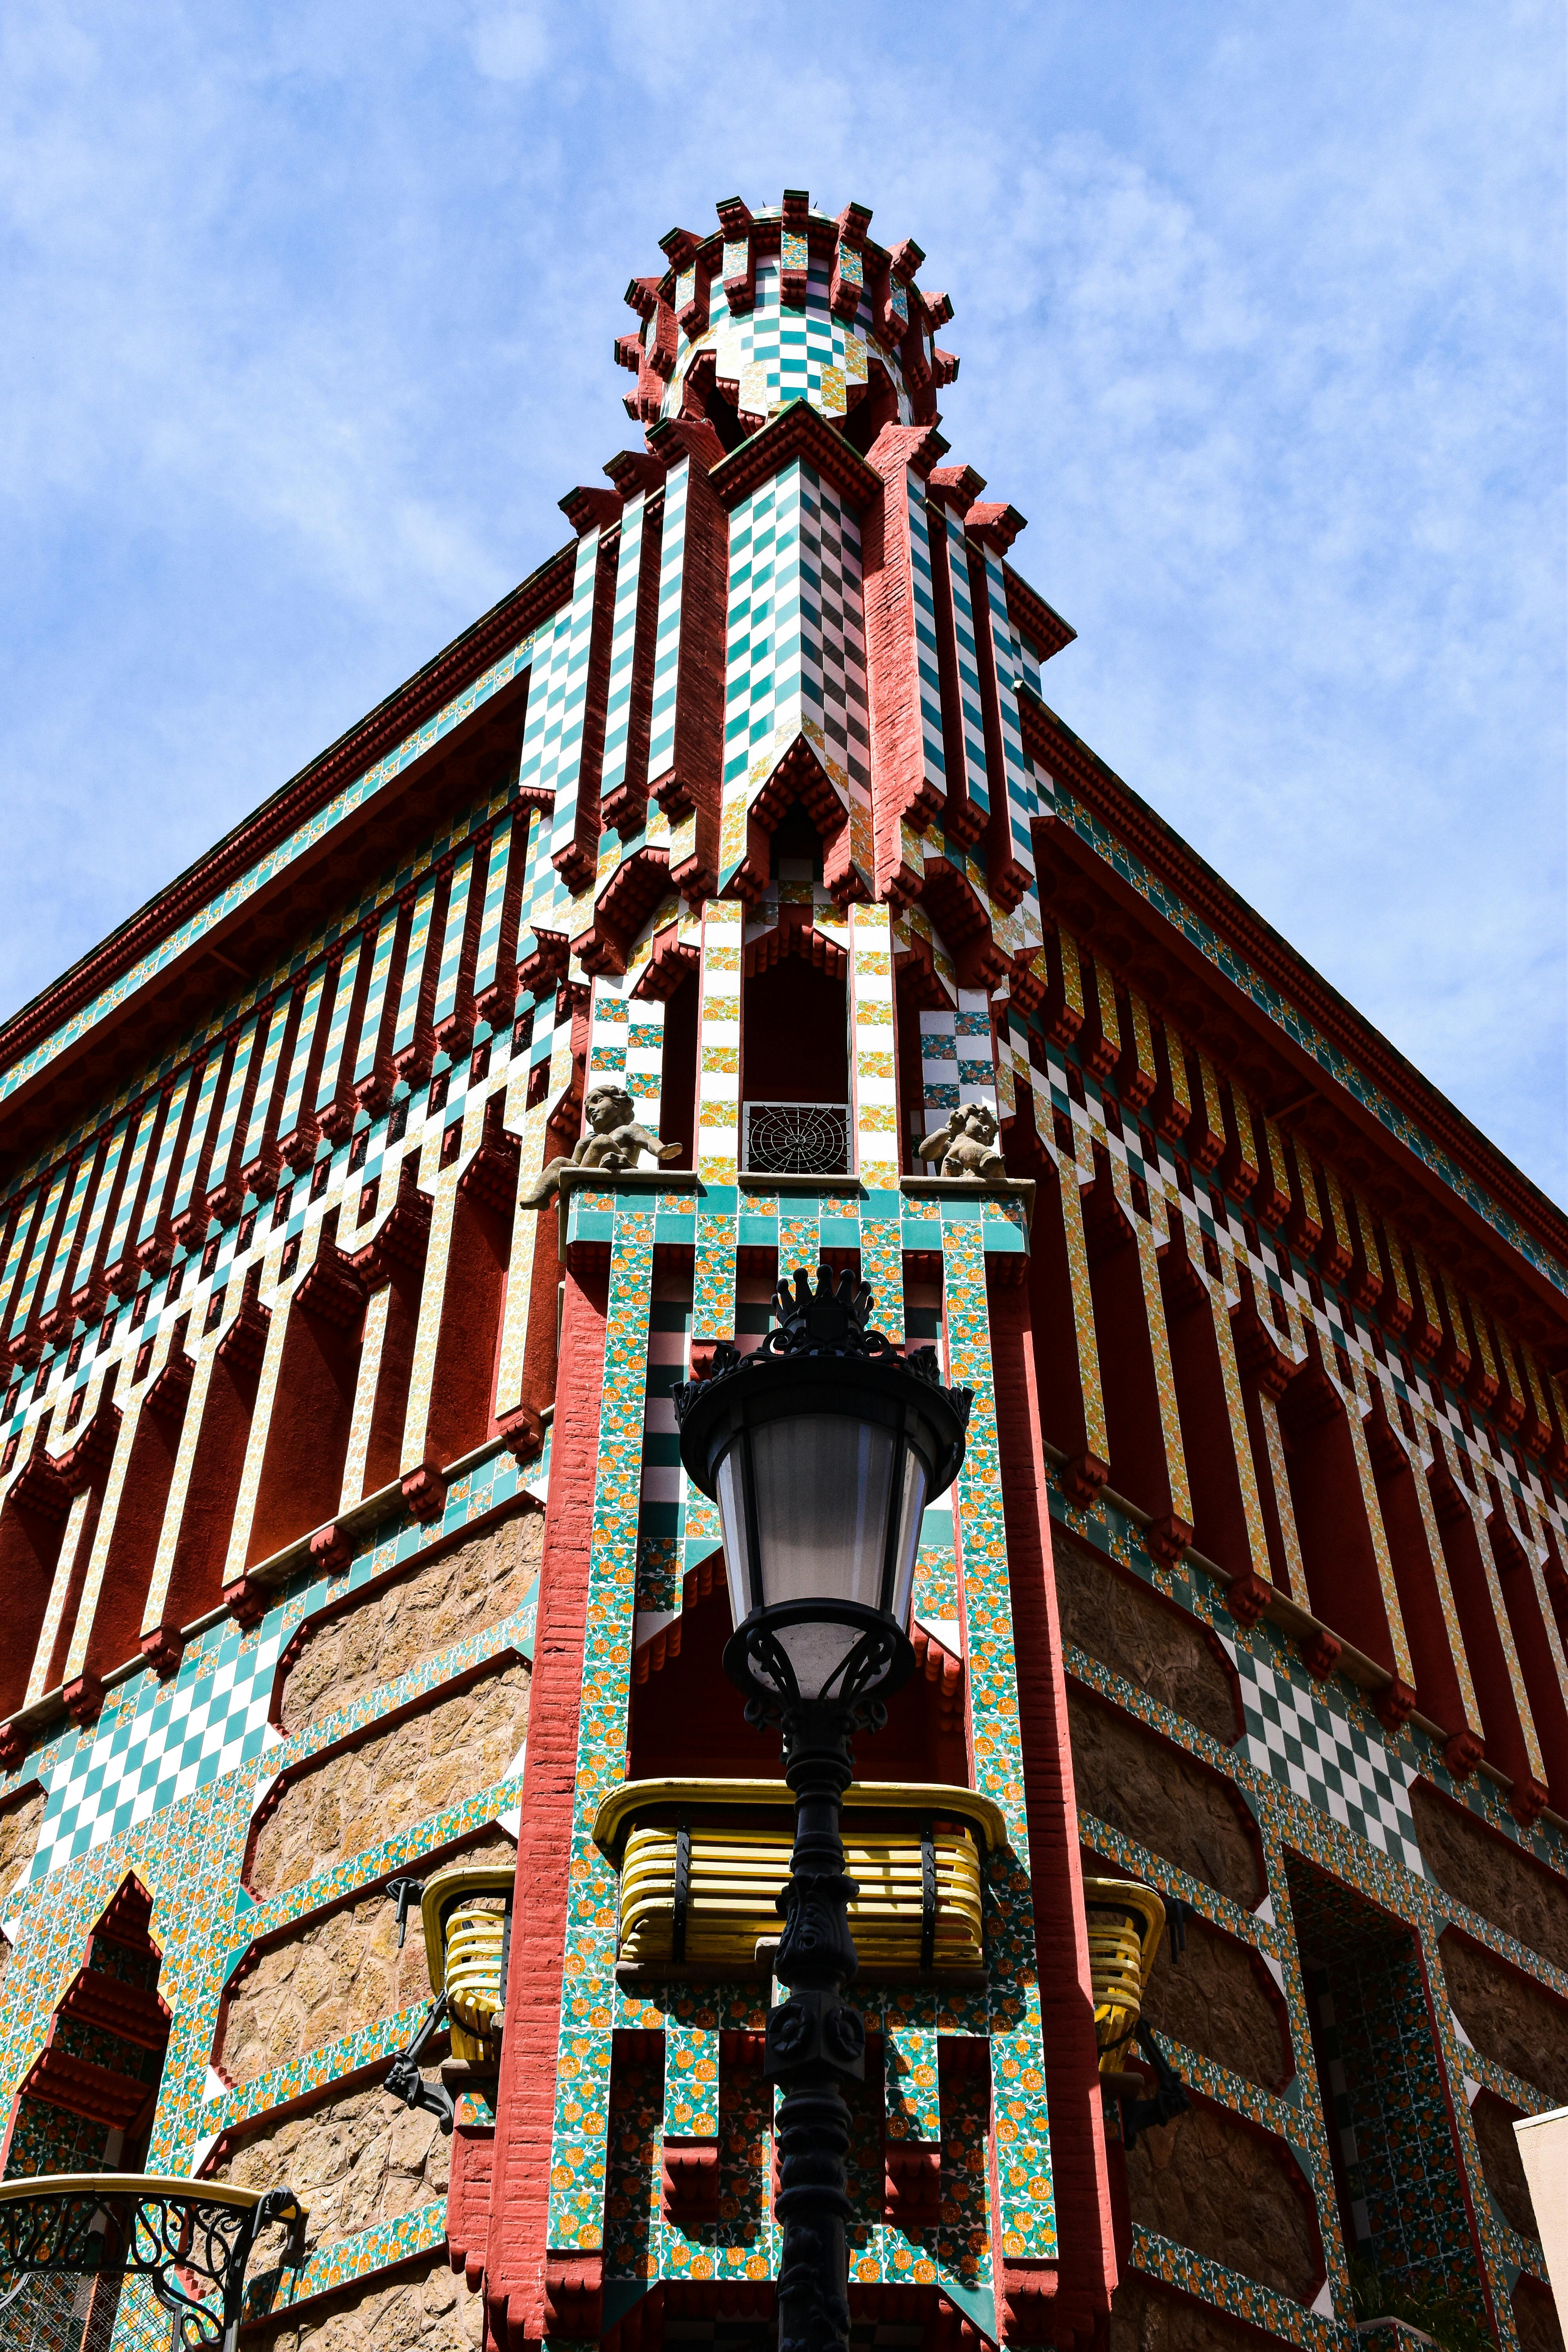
pixel 1026 2225
pixel 583 2061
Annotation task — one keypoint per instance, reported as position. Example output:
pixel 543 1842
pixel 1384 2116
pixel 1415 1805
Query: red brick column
pixel 1087 2267
pixel 898 785
pixel 694 779
pixel 520 2200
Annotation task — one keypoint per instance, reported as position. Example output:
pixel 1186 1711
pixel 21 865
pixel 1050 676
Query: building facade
pixel 344 1537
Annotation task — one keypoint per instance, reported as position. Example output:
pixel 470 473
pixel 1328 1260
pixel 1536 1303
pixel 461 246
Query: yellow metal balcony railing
pixel 1126 1922
pixel 702 1864
pixel 463 1912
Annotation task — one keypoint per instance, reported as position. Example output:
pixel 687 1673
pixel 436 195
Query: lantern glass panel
pixel 823 1489
pixel 738 1565
pixel 911 1510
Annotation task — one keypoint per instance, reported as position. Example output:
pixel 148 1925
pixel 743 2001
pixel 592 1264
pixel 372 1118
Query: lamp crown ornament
pixel 834 1319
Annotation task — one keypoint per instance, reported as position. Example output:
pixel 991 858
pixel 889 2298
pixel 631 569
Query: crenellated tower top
pixel 786 303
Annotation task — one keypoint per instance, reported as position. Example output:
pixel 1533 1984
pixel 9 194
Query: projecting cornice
pixel 1453 1156
pixel 1033 619
pixel 291 806
pixel 797 432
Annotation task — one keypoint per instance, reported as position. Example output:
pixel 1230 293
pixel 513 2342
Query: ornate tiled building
pixel 345 1536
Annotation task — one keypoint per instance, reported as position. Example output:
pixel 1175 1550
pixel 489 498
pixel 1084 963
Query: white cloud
pixel 510 44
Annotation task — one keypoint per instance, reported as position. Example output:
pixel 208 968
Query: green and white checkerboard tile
pixel 1293 1735
pixel 212 1719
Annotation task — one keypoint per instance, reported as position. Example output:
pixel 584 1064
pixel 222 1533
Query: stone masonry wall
pixel 20 1835
pixel 355 1797
pixel 1141 1634
pixel 423 2309
pixel 415 1617
pixel 1152 1792
pixel 1146 2317
pixel 19 1841
pixel 1217 1999
pixel 1510 2021
pixel 1211 2183
pixel 355 2160
pixel 337 1974
pixel 1479 1867
pixel 1535 2318
pixel 1502 2162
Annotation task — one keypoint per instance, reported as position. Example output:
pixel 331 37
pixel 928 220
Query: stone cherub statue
pixel 966 1146
pixel 613 1143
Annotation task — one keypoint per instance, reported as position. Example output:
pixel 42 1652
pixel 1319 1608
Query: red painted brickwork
pixel 514 2257
pixel 893 670
pixel 1087 2268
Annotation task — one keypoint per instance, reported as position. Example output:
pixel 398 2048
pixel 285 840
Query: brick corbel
pixel 84 1699
pixel 797 431
pixel 574 2295
pixel 997 525
pixel 1319 1653
pixel 1527 1801
pixel 689 2185
pixel 402 1238
pixel 625 904
pixel 522 1430
pixel 1168 1539
pixel 425 1491
pixel 635 469
pixel 1246 1597
pixel 901 791
pixel 331 1549
pixel 911 2186
pixel 245 1603
pixel 1027 2304
pixel 1258 1348
pixel 671 962
pixel 163 1648
pixel 1394 1705
pixel 735 222
pixel 589 508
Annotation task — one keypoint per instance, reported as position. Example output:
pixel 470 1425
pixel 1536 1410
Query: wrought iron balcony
pixel 69 2241
pixel 795 1138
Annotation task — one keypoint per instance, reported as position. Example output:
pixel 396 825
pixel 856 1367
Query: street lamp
pixel 822 1449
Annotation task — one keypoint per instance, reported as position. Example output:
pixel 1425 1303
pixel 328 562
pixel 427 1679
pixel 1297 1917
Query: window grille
pixel 795 1138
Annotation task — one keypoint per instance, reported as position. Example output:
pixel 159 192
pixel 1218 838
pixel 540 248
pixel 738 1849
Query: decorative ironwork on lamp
pixel 822 1449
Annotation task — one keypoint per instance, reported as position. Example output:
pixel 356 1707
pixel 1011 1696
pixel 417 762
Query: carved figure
pixel 613 1143
pixel 966 1146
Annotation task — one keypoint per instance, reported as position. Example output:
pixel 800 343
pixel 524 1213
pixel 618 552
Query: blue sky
pixel 309 314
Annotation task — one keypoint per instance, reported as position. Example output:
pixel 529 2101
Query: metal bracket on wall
pixel 402 2079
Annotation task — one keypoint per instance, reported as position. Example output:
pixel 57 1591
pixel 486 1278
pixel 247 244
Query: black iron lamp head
pixel 822 1449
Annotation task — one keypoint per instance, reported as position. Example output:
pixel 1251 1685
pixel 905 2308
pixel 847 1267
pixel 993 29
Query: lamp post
pixel 822 1449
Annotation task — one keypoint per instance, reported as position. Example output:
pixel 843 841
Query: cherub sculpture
pixel 966 1146
pixel 612 1144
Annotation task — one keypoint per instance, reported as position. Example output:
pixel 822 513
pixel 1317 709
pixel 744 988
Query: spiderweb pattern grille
pixel 788 1138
